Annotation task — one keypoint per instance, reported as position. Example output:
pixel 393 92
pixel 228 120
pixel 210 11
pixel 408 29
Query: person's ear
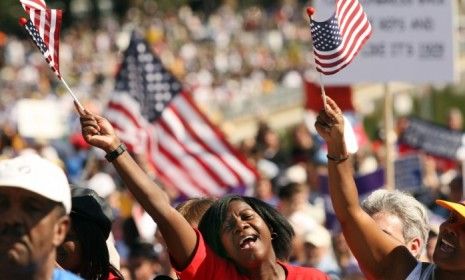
pixel 415 246
pixel 61 229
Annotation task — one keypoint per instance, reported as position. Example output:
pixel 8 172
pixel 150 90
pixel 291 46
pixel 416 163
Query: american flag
pixel 155 116
pixel 30 28
pixel 47 23
pixel 337 40
pixel 33 4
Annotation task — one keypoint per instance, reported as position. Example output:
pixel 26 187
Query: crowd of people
pixel 99 220
pixel 225 59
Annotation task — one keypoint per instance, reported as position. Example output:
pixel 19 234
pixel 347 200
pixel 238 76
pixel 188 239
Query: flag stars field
pixel 337 40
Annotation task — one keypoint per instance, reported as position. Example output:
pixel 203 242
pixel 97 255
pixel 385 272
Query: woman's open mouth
pixel 248 242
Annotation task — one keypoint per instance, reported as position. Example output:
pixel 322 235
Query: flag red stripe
pixel 165 180
pixel 327 69
pixel 347 42
pixel 348 49
pixel 219 181
pixel 194 135
pixel 221 138
pixel 48 24
pixel 133 131
pixel 354 30
pixel 194 141
pixel 176 176
pixel 55 30
pixel 176 162
pixel 122 109
pixel 33 4
pixel 120 131
pixel 347 13
pixel 116 106
pixel 346 20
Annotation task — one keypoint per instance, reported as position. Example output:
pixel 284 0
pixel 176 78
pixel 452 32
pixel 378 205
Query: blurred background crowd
pixel 228 54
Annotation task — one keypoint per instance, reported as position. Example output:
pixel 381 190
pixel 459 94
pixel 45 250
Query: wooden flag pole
pixel 310 12
pixel 323 93
pixel 71 92
pixel 390 138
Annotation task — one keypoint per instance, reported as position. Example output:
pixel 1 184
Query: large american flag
pixel 47 22
pixel 337 40
pixel 155 116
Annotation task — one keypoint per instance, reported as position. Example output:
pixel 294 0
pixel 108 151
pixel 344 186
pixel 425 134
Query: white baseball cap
pixel 319 236
pixel 38 175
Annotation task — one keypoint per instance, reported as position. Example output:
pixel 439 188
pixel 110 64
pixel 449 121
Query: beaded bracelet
pixel 338 158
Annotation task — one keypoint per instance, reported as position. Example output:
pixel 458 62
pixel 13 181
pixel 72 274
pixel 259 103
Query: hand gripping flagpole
pixel 38 41
pixel 310 12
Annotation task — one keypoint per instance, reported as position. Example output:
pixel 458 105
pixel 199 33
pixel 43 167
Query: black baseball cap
pixel 86 204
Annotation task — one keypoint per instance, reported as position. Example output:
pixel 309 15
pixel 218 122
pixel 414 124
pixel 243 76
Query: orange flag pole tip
pixel 22 21
pixel 310 11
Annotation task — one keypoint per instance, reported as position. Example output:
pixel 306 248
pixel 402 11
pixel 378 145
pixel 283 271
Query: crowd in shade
pixel 225 58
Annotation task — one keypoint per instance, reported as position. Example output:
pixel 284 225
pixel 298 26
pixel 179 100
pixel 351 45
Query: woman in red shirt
pixel 246 238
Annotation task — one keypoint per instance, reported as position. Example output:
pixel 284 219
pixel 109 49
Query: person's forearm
pixel 179 236
pixel 152 198
pixel 342 186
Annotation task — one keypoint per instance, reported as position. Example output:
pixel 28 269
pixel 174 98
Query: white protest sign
pixel 40 119
pixel 412 41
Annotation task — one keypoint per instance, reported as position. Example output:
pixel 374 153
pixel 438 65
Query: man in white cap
pixel 35 202
pixel 319 253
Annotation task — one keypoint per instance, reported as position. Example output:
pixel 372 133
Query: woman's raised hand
pixel 330 123
pixel 97 131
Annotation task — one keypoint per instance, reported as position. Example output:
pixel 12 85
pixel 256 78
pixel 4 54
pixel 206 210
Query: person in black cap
pixel 85 251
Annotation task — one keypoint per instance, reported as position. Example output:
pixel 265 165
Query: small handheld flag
pixel 39 42
pixel 48 24
pixel 32 31
pixel 338 40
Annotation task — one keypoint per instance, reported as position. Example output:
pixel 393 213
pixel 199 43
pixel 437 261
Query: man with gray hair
pixel 400 216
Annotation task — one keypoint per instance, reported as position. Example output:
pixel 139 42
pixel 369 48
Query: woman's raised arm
pixel 379 255
pixel 180 237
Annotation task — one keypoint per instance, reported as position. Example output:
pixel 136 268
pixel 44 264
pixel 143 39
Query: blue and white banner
pixel 433 139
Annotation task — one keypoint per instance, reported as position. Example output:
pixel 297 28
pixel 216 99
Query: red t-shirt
pixel 207 265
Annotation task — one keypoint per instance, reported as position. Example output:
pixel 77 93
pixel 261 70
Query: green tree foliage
pixel 10 12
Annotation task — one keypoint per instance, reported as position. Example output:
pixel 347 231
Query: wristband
pixel 111 156
pixel 338 158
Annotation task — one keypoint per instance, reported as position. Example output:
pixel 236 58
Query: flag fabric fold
pixel 33 4
pixel 155 116
pixel 39 42
pixel 338 40
pixel 47 27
